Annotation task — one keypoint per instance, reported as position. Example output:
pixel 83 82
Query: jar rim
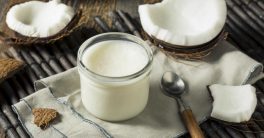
pixel 113 36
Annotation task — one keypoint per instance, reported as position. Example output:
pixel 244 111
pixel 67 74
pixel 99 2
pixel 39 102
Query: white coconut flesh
pixel 184 22
pixel 39 19
pixel 233 103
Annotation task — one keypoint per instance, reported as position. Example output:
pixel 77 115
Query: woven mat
pixel 245 24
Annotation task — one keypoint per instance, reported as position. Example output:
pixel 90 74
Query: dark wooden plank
pixel 130 6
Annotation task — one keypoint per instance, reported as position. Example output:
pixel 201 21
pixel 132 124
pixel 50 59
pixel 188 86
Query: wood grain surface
pixel 191 123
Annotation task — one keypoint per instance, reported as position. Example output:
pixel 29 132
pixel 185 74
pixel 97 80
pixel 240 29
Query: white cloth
pixel 225 65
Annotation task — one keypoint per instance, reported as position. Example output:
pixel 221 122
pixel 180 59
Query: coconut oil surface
pixel 115 58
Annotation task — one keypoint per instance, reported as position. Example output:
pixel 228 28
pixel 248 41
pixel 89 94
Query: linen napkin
pixel 225 65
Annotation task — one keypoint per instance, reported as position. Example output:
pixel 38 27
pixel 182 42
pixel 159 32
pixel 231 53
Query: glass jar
pixel 114 98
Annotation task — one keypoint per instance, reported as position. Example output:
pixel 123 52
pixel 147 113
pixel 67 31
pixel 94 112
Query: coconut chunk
pixel 233 103
pixel 39 19
pixel 184 22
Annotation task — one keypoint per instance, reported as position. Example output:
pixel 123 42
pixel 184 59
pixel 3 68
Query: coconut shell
pixel 8 67
pixel 151 1
pixel 10 37
pixel 195 52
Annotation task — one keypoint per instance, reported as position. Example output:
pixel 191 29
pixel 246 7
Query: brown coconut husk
pixel 12 38
pixel 152 1
pixel 8 67
pixel 44 116
pixel 196 52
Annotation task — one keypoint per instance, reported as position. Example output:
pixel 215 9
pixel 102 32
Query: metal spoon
pixel 173 86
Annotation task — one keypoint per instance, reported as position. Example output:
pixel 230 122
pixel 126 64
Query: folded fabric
pixel 225 65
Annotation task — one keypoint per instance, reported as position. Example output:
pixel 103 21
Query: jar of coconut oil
pixel 114 73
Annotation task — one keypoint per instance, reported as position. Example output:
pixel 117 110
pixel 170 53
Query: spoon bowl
pixel 172 84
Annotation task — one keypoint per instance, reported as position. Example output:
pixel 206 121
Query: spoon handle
pixel 192 124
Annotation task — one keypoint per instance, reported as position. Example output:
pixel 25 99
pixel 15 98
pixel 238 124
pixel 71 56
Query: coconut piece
pixel 184 22
pixel 8 67
pixel 39 19
pixel 43 116
pixel 233 103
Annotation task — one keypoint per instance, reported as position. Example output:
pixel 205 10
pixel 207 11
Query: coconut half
pixel 233 103
pixel 39 19
pixel 184 22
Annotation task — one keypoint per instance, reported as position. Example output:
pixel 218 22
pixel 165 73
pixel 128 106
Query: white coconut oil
pixel 114 75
